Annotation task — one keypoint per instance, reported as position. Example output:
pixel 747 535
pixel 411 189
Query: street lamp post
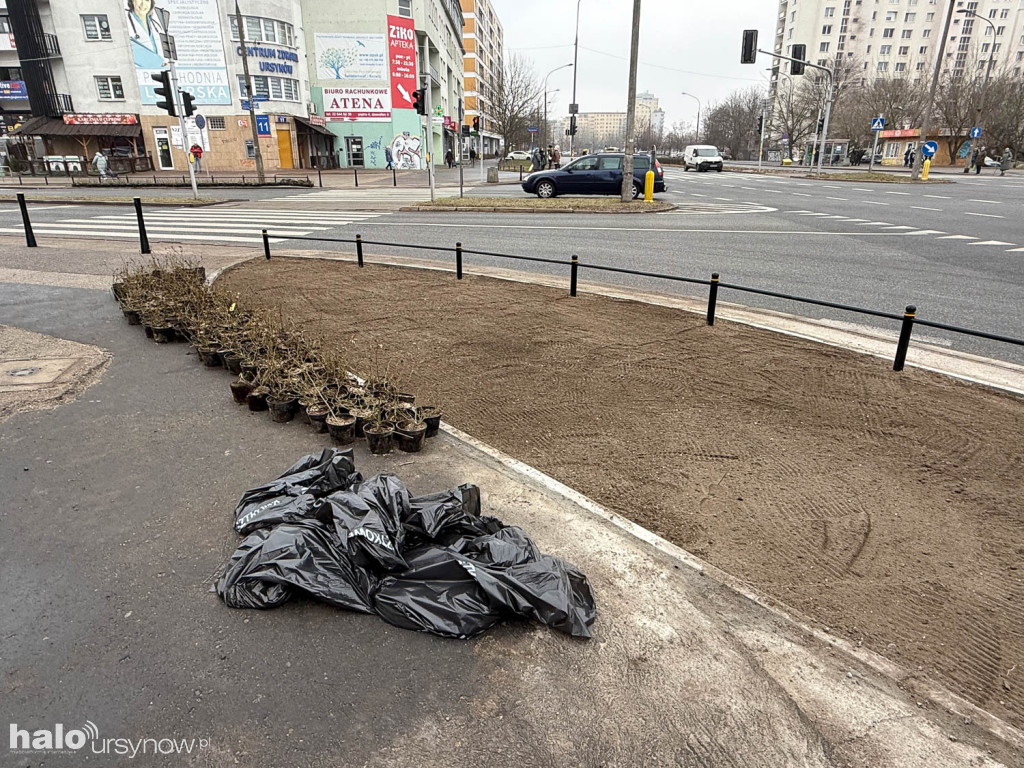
pixel 547 128
pixel 697 132
pixel 549 74
pixel 575 57
pixel 984 87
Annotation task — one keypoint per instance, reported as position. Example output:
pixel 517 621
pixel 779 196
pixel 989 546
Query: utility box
pixel 492 175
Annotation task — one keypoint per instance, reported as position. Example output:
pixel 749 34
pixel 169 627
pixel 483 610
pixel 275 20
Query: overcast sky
pixel 685 45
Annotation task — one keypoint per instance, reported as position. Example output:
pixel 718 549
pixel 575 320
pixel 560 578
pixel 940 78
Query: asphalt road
pixel 952 249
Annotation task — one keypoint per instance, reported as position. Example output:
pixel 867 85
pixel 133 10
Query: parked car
pixel 518 154
pixel 598 174
pixel 703 157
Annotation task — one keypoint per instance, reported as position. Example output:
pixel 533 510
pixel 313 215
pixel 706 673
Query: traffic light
pixel 748 55
pixel 800 54
pixel 821 124
pixel 476 124
pixel 187 103
pixel 165 91
pixel 418 103
pixel 760 122
pixel 573 128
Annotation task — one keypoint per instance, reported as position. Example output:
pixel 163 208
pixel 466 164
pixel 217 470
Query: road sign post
pixel 877 124
pixel 975 134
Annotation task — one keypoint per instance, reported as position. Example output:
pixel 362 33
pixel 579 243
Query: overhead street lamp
pixel 575 57
pixel 984 87
pixel 697 132
pixel 549 74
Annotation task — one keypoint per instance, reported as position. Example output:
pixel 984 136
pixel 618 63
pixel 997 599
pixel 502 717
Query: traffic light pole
pixel 179 107
pixel 430 116
pixel 760 151
pixel 480 136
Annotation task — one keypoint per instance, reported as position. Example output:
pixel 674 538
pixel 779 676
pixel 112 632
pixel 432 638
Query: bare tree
pixel 956 101
pixel 1004 113
pixel 732 124
pixel 514 100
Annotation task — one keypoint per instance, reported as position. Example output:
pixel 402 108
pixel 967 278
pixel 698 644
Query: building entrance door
pixel 354 149
pixel 284 148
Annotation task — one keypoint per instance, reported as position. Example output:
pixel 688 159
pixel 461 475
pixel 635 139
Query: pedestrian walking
pixel 197 156
pixel 556 157
pixel 906 158
pixel 980 161
pixel 913 154
pixel 472 155
pixel 973 162
pixel 1006 161
pixel 99 160
pixel 449 159
pixel 389 158
pixel 537 160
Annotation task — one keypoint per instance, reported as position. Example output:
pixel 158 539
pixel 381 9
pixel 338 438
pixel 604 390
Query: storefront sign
pixel 342 56
pixel 110 118
pixel 283 60
pixel 317 120
pixel 352 104
pixel 901 133
pixel 402 61
pixel 13 89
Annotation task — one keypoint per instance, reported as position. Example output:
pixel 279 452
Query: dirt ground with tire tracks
pixel 885 507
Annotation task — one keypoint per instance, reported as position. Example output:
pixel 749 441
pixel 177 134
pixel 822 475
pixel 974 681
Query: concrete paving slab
pixel 117 516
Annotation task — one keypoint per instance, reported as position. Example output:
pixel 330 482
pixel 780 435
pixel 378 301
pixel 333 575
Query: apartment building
pixel 648 102
pixel 484 41
pixel 331 81
pixel 598 129
pixel 901 37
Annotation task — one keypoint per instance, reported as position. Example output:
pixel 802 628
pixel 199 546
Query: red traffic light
pixel 417 102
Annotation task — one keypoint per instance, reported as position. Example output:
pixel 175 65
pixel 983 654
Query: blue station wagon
pixel 599 174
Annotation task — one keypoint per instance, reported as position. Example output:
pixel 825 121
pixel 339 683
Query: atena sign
pixel 353 104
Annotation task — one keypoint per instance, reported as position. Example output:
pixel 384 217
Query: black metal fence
pixel 908 319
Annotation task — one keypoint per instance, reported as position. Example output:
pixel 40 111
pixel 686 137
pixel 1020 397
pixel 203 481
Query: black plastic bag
pixel 432 563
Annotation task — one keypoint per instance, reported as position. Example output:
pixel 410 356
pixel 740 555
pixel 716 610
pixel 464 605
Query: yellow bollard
pixel 649 187
pixel 924 170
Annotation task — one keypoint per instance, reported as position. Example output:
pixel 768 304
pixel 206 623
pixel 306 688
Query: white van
pixel 703 157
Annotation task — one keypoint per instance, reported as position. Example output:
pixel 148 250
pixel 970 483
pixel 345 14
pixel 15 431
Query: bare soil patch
pixel 885 507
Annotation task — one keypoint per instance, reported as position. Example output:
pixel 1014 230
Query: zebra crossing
pixel 368 196
pixel 224 225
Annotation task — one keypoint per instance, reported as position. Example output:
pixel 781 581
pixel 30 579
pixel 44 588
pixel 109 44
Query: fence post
pixel 319 176
pixel 30 238
pixel 712 298
pixel 359 249
pixel 458 261
pixel 266 245
pixel 573 269
pixel 394 176
pixel 143 237
pixel 355 173
pixel 904 342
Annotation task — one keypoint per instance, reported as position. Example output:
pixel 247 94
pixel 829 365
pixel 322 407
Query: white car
pixel 518 154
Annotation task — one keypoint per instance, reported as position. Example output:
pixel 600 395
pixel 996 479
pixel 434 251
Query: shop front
pixel 46 146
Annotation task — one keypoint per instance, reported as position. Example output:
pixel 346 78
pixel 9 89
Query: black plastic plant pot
pixel 224 354
pixel 248 369
pixel 233 362
pixel 208 356
pixel 257 399
pixel 282 411
pixel 132 316
pixel 342 429
pixel 380 441
pixel 164 334
pixel 148 329
pixel 119 290
pixel 240 389
pixel 432 416
pixel 317 416
pixel 410 437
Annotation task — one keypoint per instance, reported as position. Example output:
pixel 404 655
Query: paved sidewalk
pixel 117 516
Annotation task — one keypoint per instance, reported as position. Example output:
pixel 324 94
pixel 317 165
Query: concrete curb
pixel 664 208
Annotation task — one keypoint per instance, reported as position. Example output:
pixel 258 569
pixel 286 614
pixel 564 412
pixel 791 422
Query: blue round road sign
pixel 200 122
pixel 929 148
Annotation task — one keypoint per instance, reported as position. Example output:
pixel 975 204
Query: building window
pixel 929 17
pixel 884 50
pixel 405 8
pixel 890 15
pixel 96 27
pixel 823 48
pixel 904 50
pixel 926 33
pixel 1004 13
pixel 909 18
pixel 258 29
pixel 1000 30
pixel 888 32
pixel 985 47
pixel 109 88
pixel 923 50
pixel 900 66
pixel 868 49
pixel 216 123
pixel 830 12
pixel 907 34
pixel 827 29
pixel 920 66
pixel 883 66
pixel 1020 55
pixel 276 88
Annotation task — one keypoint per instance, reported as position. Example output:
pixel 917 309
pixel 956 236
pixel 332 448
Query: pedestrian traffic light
pixel 476 124
pixel 800 54
pixel 417 102
pixel 165 93
pixel 821 124
pixel 748 55
pixel 757 128
pixel 187 104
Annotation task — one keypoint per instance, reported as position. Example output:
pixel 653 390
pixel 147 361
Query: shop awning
pixel 48 126
pixel 312 126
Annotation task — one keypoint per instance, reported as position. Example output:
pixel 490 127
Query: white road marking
pixel 991 242
pixel 898 226
pixel 940 197
pixel 874 224
pixel 802 194
pixel 926 232
pixel 896 193
pixel 153 236
pixel 994 202
pixel 837 198
pixel 957 237
pixel 924 208
pixel 873 202
pixel 986 215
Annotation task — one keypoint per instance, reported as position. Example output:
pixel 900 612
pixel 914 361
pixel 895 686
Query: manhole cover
pixel 22 374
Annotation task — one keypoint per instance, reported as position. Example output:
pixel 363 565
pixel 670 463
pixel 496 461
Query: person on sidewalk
pixel 973 162
pixel 1006 161
pixel 536 160
pixel 913 156
pixel 556 157
pixel 980 161
pixel 389 158
pixel 197 153
pixel 906 158
pixel 472 155
pixel 449 160
pixel 100 161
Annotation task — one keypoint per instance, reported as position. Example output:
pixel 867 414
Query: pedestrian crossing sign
pixel 877 123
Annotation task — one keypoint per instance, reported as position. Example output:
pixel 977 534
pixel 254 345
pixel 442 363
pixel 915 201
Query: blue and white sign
pixel 262 125
pixel 200 122
pixel 877 123
pixel 929 148
pixel 976 132
pixel 531 129
pixel 255 105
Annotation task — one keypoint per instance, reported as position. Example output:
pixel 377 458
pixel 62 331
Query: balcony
pixel 57 104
